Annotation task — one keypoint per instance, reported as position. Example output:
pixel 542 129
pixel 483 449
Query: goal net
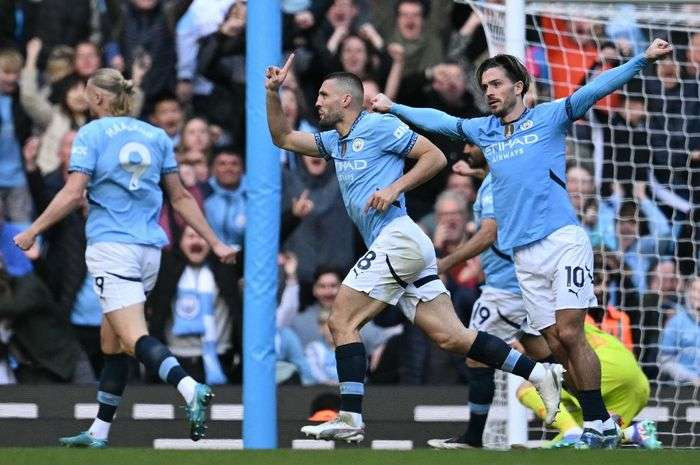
pixel 633 176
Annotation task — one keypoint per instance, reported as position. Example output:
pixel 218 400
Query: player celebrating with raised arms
pixel 400 267
pixel 121 160
pixel 525 150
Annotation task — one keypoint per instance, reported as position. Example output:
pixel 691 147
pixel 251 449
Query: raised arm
pixel 430 161
pixel 184 204
pixel 607 82
pixel 67 200
pixel 282 135
pixel 482 240
pixel 427 119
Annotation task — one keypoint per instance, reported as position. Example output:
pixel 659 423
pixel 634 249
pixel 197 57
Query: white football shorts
pixel 122 273
pixel 556 273
pixel 399 268
pixel 502 314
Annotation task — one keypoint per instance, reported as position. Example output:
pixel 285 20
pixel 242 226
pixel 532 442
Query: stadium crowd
pixel 637 197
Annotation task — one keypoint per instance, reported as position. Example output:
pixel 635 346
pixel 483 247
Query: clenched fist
pixel 381 103
pixel 658 49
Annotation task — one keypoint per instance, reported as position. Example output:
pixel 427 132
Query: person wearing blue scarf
pixel 196 310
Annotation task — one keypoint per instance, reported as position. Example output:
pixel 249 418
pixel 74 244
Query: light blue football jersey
pixel 528 169
pixel 125 159
pixel 369 158
pixel 497 264
pixel 527 163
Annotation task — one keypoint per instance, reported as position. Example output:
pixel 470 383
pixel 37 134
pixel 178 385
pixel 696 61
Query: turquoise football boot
pixel 197 411
pixel 84 440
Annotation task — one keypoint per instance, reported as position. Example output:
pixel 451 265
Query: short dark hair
pixel 327 269
pixel 350 81
pixel 628 211
pixel 227 150
pixel 514 69
pixel 164 96
pixel 423 4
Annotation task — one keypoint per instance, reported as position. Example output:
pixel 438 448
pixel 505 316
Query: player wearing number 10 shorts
pixel 400 267
pixel 121 162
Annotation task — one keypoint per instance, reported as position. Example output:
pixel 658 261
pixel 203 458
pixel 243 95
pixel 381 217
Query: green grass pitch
pixel 128 456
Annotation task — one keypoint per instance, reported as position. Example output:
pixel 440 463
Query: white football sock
pixel 573 432
pixel 99 429
pixel 595 425
pixel 354 416
pixel 609 424
pixel 186 387
pixel 538 373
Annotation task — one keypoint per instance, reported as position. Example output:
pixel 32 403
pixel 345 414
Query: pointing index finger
pixel 288 64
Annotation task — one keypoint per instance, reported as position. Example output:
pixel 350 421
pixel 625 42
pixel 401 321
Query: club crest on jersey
pixel 526 125
pixel 508 130
pixel 358 144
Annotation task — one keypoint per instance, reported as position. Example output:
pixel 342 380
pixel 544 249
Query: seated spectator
pixel 167 114
pixel 679 353
pixel 597 216
pixel 325 287
pixel 41 342
pixel 659 304
pixel 462 280
pixel 461 184
pixel 639 250
pixel 288 347
pixel 15 127
pixel 451 217
pixel 196 308
pixel 321 354
pixel 328 222
pixel 224 197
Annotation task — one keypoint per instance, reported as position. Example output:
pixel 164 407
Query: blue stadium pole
pixel 263 172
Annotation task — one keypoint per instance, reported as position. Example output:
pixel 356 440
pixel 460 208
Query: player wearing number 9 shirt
pixel 121 161
pixel 400 267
